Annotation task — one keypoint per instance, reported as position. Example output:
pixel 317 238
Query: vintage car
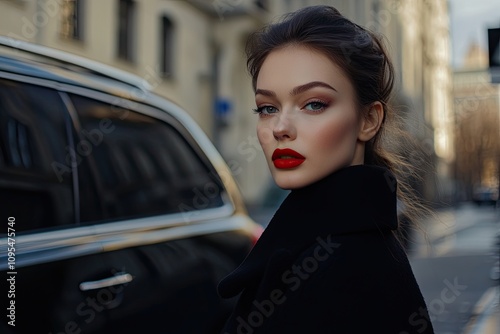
pixel 118 213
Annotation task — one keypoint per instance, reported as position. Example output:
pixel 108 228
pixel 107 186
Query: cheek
pixel 337 135
pixel 265 135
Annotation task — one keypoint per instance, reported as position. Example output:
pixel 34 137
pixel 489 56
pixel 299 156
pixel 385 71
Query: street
pixel 454 267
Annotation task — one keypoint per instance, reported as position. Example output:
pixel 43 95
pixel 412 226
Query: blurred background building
pixel 477 125
pixel 192 51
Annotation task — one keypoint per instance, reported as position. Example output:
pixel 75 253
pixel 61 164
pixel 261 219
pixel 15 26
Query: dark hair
pixel 362 56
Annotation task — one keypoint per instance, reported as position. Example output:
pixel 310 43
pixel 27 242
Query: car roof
pixel 30 60
pixel 42 62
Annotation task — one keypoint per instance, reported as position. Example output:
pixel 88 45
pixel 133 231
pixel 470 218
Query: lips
pixel 287 158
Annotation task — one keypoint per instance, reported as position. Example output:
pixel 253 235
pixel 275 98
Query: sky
pixel 469 21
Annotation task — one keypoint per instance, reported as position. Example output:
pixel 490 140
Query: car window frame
pixel 162 116
pixel 69 241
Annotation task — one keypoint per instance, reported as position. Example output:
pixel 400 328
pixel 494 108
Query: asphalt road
pixel 453 266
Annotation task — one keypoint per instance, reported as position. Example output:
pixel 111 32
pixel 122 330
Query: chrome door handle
pixel 119 278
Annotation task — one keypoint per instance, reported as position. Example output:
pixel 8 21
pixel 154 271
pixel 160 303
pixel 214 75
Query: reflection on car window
pixel 32 140
pixel 141 166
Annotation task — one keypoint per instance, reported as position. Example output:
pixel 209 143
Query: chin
pixel 291 182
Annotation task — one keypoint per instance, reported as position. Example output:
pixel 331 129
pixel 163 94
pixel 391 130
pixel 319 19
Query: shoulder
pixel 376 248
pixel 342 266
pixel 352 275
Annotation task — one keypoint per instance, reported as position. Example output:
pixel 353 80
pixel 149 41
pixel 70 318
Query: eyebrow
pixel 297 90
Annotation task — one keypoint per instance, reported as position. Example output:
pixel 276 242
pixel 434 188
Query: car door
pixel 35 138
pixel 165 220
pixel 122 224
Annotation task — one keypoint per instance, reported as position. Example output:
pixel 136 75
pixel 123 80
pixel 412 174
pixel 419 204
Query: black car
pixel 485 196
pixel 118 214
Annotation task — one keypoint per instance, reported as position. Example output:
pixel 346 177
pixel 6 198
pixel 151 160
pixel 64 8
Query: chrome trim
pixel 61 237
pixel 68 122
pixel 119 278
pixel 117 88
pixel 85 63
pixel 37 248
pixel 120 240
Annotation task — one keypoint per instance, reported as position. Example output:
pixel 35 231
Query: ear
pixel 371 122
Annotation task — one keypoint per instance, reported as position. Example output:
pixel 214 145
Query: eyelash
pixel 259 110
pixel 323 104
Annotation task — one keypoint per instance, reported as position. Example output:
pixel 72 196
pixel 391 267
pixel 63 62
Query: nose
pixel 284 128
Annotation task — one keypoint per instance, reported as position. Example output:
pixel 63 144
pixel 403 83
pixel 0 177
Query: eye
pixel 266 110
pixel 315 106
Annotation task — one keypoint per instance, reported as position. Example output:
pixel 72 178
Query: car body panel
pixel 171 261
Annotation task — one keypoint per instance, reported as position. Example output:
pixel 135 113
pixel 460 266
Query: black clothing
pixel 328 262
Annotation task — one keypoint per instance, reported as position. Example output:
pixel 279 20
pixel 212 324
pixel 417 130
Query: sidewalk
pixel 439 229
pixel 443 225
pixel 486 316
pixel 430 231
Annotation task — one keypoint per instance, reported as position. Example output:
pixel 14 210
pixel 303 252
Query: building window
pixel 167 46
pixel 126 28
pixel 72 19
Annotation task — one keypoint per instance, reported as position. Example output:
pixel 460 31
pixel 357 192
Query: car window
pixel 33 144
pixel 140 166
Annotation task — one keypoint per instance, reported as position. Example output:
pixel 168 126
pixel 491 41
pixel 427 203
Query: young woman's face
pixel 308 117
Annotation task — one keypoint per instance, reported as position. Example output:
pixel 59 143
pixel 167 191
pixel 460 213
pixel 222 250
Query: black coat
pixel 328 262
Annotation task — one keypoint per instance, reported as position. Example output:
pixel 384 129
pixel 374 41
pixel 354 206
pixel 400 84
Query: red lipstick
pixel 286 158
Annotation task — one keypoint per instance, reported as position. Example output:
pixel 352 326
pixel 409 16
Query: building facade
pixel 477 124
pixel 192 52
pixel 418 39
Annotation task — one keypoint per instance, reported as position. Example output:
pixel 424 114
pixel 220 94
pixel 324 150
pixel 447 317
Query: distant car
pixel 118 214
pixel 485 195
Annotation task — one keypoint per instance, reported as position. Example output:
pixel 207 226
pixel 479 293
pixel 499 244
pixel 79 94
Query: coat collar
pixel 355 199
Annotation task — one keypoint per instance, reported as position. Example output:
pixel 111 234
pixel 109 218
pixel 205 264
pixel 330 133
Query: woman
pixel 329 261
